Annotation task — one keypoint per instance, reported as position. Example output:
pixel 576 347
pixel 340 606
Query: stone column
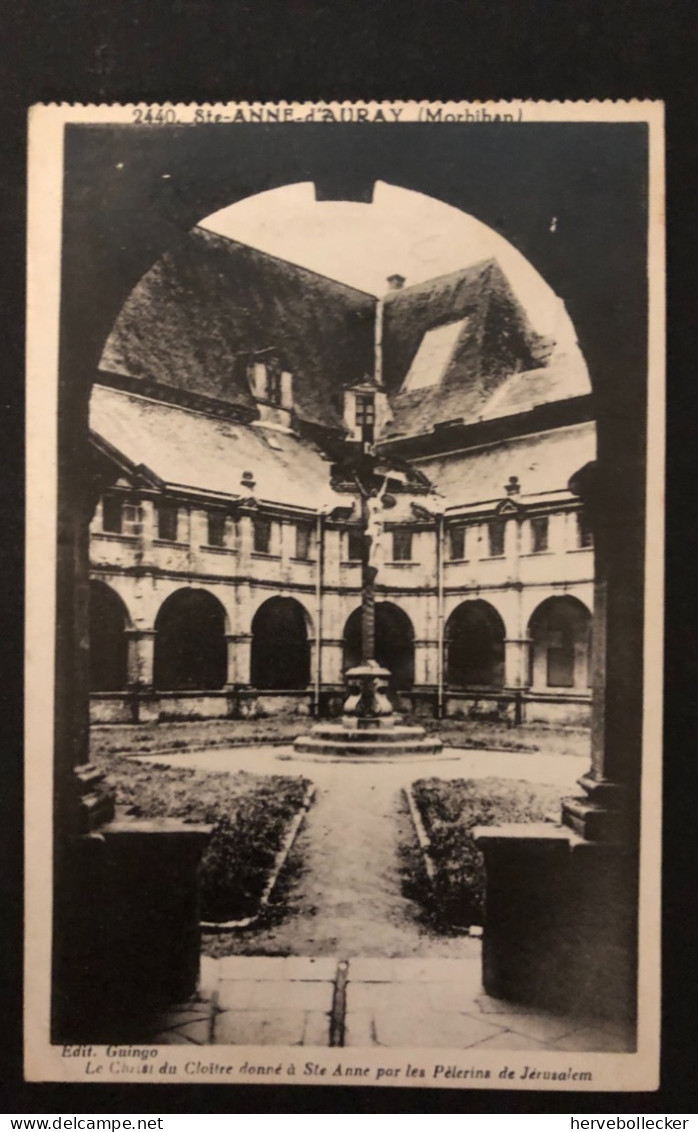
pixel 517 652
pixel 239 659
pixel 609 809
pixel 147 533
pixel 246 540
pixel 426 662
pixel 141 657
pixel 332 660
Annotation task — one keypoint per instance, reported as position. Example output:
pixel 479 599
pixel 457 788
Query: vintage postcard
pixel 345 450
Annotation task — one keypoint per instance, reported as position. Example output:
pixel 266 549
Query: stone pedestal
pixel 559 928
pixel 131 940
pixel 369 728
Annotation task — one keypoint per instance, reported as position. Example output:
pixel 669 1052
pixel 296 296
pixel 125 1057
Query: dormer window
pixel 271 385
pixel 366 416
pixel 274 381
pixel 434 356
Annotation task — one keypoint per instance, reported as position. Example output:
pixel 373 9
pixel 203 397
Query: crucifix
pixel 373 503
pixel 368 680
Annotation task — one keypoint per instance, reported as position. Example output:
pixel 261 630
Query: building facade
pixel 226 577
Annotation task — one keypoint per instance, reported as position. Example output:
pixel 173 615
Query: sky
pixel 401 232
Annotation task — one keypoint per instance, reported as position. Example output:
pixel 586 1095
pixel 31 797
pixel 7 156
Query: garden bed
pixel 448 812
pixel 251 816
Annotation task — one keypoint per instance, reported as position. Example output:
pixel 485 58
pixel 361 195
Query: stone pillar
pixel 426 662
pixel 561 903
pixel 332 660
pixel 141 657
pixel 239 659
pixel 246 538
pixel 608 810
pixel 517 652
pixel 147 534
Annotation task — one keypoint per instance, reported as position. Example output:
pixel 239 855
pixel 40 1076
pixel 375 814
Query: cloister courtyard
pixel 353 945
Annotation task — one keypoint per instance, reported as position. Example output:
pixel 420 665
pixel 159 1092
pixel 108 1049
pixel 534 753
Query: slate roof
pixel 210 300
pixel 543 462
pixel 499 364
pixel 195 317
pixel 187 449
pixel 564 377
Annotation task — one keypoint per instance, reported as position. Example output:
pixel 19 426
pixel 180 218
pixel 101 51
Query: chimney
pixel 396 282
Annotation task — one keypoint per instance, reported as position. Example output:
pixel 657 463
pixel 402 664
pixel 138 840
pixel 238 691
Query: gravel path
pixel 345 887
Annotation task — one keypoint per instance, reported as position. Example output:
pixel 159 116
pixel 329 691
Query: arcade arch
pixel 280 658
pixel 190 643
pixel 394 643
pixel 474 641
pixel 109 621
pixel 560 633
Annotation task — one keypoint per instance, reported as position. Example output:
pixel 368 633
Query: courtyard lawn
pixel 250 816
pixel 150 738
pixel 450 811
pixel 184 735
pixel 535 738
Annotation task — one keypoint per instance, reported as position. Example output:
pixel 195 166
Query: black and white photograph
pixel 345 444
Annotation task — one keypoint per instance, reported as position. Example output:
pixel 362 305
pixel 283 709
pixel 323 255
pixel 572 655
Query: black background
pixel 208 50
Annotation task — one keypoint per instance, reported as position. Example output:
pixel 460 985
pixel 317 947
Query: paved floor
pixel 362 1003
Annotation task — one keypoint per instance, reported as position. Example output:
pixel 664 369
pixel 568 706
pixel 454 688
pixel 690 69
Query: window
pixel 456 543
pixel 365 416
pixel 274 384
pixel 111 514
pixel 560 658
pixel 131 519
pixel 355 544
pixel 167 521
pixel 303 541
pixel 585 538
pixel 539 535
pixel 261 529
pixel 402 546
pixel 216 529
pixel 495 533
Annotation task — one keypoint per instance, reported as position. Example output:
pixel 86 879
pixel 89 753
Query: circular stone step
pixel 335 731
pixel 308 744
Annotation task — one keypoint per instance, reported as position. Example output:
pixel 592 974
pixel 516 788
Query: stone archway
pixel 589 179
pixel 475 646
pixel 394 643
pixel 109 620
pixel 190 645
pixel 280 658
